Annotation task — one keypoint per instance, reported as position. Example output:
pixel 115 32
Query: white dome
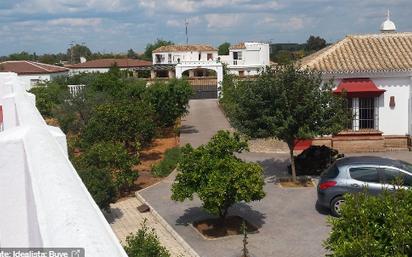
pixel 388 25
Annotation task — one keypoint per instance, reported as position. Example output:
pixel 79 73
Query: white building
pixel 32 73
pixel 103 65
pixel 247 59
pixel 43 201
pixel 376 73
pixel 174 54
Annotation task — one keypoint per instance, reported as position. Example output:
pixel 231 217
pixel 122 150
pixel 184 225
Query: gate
pixel 204 88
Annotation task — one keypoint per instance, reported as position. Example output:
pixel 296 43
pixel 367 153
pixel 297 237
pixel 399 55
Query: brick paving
pixel 126 219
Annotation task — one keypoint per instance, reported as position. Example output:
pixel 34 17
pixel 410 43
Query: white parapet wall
pixel 43 201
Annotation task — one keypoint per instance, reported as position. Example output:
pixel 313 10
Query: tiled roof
pixel 238 46
pixel 364 53
pixel 107 63
pixel 30 67
pixel 184 48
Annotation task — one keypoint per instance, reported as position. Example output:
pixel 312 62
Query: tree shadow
pixel 188 129
pixel 113 215
pixel 274 168
pixel 196 214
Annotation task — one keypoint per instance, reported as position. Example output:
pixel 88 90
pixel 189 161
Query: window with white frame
pixel 365 113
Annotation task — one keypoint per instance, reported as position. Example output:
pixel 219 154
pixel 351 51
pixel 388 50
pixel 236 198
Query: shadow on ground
pixel 188 129
pixel 113 215
pixel 243 210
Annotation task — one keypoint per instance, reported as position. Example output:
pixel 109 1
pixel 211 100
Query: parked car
pixel 355 174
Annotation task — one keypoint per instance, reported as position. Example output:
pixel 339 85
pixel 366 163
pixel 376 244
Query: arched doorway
pixel 206 78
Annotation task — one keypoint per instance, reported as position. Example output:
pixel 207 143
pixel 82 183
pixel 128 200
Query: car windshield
pixel 406 166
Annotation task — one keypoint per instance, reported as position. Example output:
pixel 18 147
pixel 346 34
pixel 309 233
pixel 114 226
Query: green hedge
pixel 168 164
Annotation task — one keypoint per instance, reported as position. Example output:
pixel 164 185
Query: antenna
pixel 187 37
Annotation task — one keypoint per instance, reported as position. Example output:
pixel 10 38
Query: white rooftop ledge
pixel 43 201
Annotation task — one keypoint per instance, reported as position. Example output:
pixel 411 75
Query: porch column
pixel 191 73
pixel 153 74
pixel 171 74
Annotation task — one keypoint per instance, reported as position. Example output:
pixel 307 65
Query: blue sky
pixel 46 26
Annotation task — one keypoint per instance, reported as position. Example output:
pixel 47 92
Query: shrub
pixel 170 100
pixel 114 158
pixel 168 164
pixel 145 243
pixel 49 95
pixel 100 185
pixel 125 121
pixel 373 226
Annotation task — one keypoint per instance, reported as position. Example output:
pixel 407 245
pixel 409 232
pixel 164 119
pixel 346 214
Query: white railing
pixel 75 89
pixel 43 201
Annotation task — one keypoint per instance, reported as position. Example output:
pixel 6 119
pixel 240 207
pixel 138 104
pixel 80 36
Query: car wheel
pixel 335 205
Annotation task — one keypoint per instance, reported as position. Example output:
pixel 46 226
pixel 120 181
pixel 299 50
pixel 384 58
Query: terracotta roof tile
pixel 364 53
pixel 30 67
pixel 184 48
pixel 238 46
pixel 107 63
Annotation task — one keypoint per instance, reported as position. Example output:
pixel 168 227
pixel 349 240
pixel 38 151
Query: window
pixel 159 58
pixel 394 176
pixel 200 56
pixel 331 172
pixel 365 174
pixel 169 59
pixel 365 113
pixel 209 57
pixel 241 73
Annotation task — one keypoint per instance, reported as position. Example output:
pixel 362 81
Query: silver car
pixel 354 174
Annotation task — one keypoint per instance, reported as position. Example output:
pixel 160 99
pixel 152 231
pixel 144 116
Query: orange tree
pixel 287 103
pixel 217 176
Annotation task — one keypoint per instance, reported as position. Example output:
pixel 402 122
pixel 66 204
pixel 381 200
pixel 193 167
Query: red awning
pixel 358 88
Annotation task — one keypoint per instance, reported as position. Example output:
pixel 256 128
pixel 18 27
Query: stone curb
pixel 166 225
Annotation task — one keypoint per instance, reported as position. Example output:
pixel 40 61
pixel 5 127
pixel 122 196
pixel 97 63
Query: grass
pixel 168 164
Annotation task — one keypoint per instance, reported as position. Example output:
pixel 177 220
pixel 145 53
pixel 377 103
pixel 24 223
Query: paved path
pixel 288 220
pixel 203 121
pixel 125 219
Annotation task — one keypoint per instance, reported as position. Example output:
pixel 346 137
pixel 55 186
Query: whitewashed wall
pixel 27 80
pixel 184 56
pixel 395 121
pixel 43 201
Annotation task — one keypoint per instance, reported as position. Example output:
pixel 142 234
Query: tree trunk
pixel 292 163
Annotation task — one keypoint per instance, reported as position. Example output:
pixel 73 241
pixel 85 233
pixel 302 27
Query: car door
pixel 395 177
pixel 365 177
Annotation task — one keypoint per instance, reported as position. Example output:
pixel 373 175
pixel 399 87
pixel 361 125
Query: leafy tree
pixel 113 157
pixel 373 226
pixel 223 49
pixel 315 43
pixel 153 46
pixel 128 122
pixel 132 54
pixel 290 104
pixel 75 52
pixel 21 56
pixel 170 100
pixel 217 176
pixel 74 113
pixel 145 243
pixel 48 96
pixel 100 185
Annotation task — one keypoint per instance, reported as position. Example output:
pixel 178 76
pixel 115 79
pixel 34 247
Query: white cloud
pixel 193 21
pixel 75 22
pixel 293 23
pixel 222 20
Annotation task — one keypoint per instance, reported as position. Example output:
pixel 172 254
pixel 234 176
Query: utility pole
pixel 187 37
pixel 71 52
